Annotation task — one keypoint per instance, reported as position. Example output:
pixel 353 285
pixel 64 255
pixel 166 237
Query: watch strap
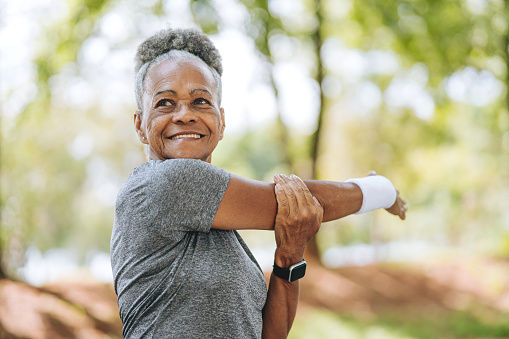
pixel 292 273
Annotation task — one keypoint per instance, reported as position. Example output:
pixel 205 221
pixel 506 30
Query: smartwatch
pixel 294 272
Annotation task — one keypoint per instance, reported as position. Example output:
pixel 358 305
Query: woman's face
pixel 181 116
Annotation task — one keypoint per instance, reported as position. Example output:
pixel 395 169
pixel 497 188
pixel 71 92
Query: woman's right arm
pixel 251 204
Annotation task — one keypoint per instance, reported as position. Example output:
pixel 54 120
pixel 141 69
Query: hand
pixel 399 207
pixel 299 216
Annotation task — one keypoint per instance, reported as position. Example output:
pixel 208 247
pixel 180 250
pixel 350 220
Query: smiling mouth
pixel 186 136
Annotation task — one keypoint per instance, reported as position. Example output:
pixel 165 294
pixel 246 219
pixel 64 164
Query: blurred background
pixel 327 89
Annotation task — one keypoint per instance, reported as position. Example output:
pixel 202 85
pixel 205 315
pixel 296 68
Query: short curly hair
pixel 175 44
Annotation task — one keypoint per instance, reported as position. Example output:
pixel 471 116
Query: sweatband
pixel 377 192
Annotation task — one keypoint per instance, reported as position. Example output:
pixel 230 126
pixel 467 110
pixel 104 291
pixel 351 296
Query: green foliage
pixel 64 39
pixel 41 181
pixel 448 165
pixel 206 15
pixel 261 25
pixel 255 154
pixel 319 323
pixel 445 36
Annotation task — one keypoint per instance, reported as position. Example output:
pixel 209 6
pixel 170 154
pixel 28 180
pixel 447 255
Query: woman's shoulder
pixel 177 168
pixel 172 165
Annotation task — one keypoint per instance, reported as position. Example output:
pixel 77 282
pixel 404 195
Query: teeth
pixel 186 136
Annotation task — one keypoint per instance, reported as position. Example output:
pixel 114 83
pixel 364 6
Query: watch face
pixel 297 271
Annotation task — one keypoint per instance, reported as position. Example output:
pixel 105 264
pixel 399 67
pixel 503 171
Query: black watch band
pixel 294 272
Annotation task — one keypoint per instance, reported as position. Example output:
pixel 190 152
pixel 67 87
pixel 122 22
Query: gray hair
pixel 176 44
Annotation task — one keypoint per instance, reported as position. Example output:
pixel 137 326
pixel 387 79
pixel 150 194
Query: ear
pixel 138 123
pixel 223 124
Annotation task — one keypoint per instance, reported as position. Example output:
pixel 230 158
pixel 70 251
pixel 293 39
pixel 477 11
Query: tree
pixel 39 177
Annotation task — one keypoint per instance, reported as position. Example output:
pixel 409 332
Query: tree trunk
pixel 506 54
pixel 312 249
pixel 318 41
pixel 2 273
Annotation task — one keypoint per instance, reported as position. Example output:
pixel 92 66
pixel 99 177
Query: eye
pixel 165 102
pixel 201 101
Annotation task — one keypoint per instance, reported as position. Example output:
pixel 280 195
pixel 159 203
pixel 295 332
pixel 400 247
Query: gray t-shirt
pixel 174 276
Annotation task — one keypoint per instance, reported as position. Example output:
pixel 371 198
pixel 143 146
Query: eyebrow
pixel 200 90
pixel 175 93
pixel 166 91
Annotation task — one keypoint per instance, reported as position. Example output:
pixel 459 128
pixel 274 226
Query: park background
pixel 328 89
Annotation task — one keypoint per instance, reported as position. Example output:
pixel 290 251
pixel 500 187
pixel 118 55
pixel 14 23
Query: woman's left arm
pixel 298 218
pixel 251 204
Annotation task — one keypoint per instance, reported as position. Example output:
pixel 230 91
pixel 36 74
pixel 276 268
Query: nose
pixel 183 115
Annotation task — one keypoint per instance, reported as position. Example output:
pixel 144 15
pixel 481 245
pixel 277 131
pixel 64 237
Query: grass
pixel 317 323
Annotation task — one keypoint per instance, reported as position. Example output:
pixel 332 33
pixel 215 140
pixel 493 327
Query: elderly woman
pixel 180 268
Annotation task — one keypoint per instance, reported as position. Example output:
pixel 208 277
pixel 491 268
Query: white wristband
pixel 377 192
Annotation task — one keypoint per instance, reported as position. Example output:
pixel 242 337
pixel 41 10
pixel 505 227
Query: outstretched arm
pixel 251 204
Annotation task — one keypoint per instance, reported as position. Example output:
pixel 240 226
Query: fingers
pixel 402 206
pixel 304 211
pixel 287 186
pixel 282 200
pixel 399 208
pixel 285 196
pixel 297 191
pixel 306 194
pixel 309 198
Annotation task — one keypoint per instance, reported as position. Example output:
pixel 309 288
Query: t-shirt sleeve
pixel 185 193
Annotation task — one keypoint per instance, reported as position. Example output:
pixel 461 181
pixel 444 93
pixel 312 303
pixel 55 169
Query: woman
pixel 180 268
